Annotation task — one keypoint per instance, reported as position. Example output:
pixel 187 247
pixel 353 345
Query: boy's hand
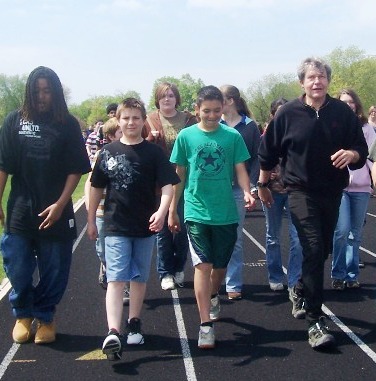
pixel 250 202
pixel 174 222
pixel 92 231
pixel 156 222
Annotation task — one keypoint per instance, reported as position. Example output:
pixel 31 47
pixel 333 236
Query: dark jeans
pixel 22 256
pixel 172 249
pixel 315 217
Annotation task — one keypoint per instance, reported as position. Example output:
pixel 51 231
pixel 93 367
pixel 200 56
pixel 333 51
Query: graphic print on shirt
pixel 210 159
pixel 119 169
pixel 37 148
pixel 29 129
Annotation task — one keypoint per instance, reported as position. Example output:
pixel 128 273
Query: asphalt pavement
pixel 257 337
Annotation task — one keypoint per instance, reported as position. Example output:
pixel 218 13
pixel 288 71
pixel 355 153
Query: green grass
pixel 77 195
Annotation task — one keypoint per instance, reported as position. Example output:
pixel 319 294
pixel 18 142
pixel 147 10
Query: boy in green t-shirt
pixel 207 156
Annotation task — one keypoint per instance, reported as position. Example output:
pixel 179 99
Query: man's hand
pixel 265 196
pixel 52 214
pixel 343 158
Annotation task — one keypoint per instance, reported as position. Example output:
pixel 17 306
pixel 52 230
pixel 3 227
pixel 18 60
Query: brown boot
pixel 22 330
pixel 46 333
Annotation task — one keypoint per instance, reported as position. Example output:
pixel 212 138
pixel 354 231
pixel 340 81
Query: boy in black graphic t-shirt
pixel 131 169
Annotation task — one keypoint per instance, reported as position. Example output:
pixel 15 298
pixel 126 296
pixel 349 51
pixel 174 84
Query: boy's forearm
pixel 242 177
pixel 166 199
pixel 178 189
pixel 94 200
pixel 177 192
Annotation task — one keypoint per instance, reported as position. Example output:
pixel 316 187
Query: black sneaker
pixel 361 264
pixel 298 310
pixel 112 347
pixel 352 284
pixel 338 284
pixel 133 332
pixel 318 334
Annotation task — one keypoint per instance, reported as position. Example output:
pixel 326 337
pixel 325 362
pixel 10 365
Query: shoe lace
pixel 319 328
pixel 300 303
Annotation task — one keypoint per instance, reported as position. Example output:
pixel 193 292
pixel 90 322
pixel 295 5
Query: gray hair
pixel 316 63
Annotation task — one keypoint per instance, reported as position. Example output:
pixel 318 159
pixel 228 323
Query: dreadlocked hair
pixel 59 108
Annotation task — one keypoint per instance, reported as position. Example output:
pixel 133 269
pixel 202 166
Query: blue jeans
pixel 274 216
pixel 172 249
pixel 348 235
pixel 22 256
pixel 234 274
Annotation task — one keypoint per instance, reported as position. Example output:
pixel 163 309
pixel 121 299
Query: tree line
pixel 351 67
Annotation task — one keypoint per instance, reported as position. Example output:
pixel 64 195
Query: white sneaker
pixel 276 286
pixel 215 308
pixel 179 278
pixel 206 338
pixel 167 282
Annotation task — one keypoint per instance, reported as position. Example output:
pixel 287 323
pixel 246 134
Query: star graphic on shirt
pixel 210 160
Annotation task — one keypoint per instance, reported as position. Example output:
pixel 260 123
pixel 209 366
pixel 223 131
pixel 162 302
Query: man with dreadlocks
pixel 41 148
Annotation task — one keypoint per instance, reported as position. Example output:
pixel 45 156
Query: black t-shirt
pixel 40 155
pixel 131 174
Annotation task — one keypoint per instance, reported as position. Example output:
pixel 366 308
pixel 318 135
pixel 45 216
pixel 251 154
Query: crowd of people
pixel 182 182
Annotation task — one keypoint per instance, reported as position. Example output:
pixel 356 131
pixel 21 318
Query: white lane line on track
pixel 370 214
pixel 367 251
pixel 188 361
pixel 360 343
pixel 4 287
pixel 14 348
pixel 8 358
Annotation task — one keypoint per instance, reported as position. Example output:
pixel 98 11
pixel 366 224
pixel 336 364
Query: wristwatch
pixel 262 185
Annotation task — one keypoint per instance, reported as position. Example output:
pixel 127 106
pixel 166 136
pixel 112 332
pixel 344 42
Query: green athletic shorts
pixel 211 243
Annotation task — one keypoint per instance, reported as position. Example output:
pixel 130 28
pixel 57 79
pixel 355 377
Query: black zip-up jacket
pixel 305 139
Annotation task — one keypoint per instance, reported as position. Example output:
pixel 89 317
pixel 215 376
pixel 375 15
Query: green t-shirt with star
pixel 210 158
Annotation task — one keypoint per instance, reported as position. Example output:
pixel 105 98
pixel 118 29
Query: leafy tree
pixel 12 92
pixel 188 89
pixel 94 108
pixel 352 68
pixel 261 93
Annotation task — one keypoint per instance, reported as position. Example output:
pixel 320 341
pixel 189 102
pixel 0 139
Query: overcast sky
pixel 103 47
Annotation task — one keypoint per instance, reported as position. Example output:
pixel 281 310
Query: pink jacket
pixel 360 179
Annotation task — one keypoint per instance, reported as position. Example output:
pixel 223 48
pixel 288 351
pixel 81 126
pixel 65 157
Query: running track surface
pixel 257 338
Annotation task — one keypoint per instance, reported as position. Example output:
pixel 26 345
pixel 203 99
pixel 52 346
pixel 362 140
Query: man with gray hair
pixel 318 138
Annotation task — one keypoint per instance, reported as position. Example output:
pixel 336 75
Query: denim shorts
pixel 211 243
pixel 128 258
